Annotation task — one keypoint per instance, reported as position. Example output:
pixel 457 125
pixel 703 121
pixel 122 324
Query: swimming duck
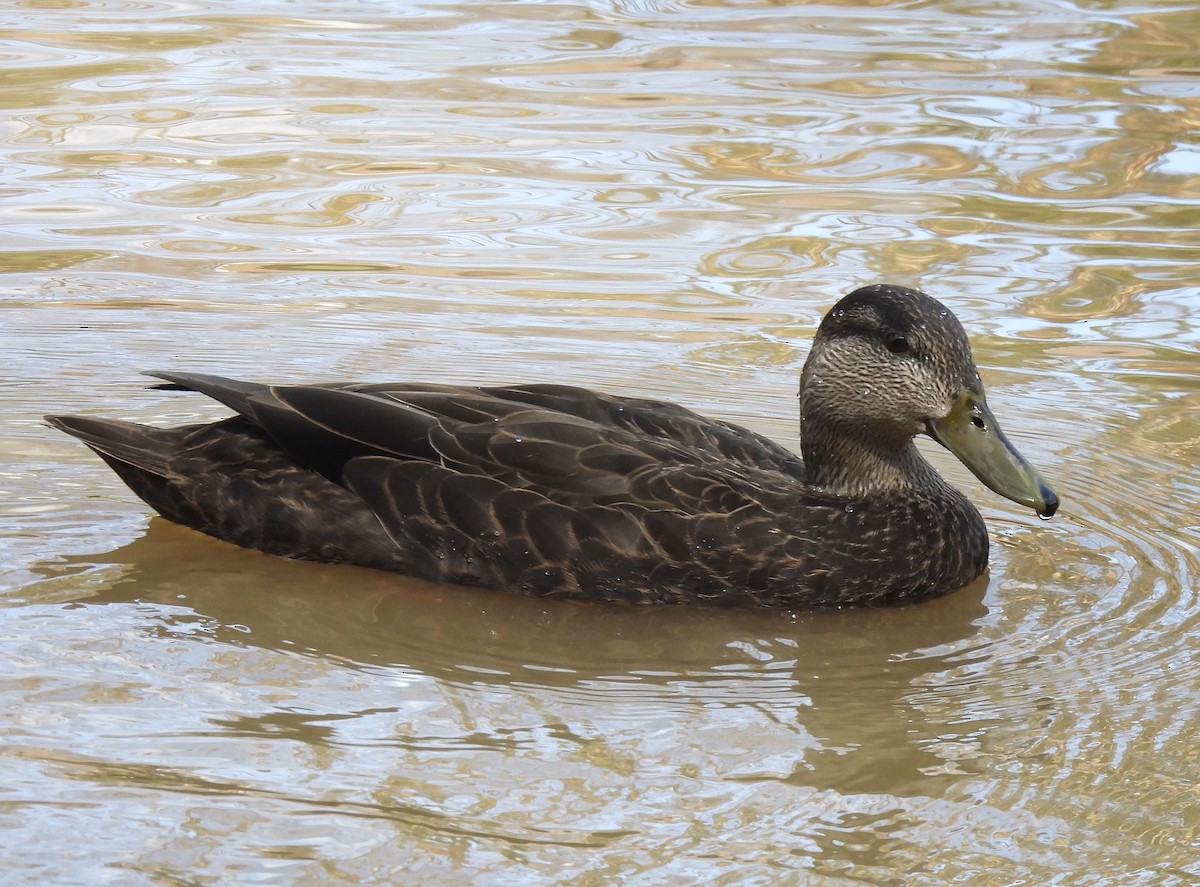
pixel 560 491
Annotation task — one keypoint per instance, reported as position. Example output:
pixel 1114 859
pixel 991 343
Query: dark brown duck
pixel 559 491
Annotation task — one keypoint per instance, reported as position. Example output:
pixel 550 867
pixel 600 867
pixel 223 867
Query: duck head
pixel 889 363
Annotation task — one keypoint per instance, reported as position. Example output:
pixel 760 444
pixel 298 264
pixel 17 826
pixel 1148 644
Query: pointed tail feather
pixel 140 446
pixel 234 393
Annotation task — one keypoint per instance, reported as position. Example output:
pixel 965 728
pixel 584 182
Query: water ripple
pixel 654 196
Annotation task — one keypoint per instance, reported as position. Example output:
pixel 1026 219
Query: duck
pixel 561 491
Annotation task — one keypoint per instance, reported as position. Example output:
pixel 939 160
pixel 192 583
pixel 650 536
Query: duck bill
pixel 971 433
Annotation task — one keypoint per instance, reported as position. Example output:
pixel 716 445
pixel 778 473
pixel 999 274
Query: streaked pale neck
pixel 852 465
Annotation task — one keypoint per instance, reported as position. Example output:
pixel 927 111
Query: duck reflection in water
pixel 852 700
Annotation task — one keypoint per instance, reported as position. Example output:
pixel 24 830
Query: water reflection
pixel 656 198
pixel 845 697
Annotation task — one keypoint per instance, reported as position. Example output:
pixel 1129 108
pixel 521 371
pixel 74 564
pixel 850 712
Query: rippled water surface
pixel 650 197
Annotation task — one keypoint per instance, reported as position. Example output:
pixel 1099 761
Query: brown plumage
pixel 559 491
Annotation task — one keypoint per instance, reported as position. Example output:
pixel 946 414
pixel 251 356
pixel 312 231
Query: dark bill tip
pixel 1049 500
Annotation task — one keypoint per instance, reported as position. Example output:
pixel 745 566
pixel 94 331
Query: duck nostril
pixel 978 422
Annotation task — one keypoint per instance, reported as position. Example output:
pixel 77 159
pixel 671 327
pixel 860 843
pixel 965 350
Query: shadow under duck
pixel 560 491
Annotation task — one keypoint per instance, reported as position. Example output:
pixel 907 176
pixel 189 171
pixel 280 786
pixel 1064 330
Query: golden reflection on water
pixel 649 198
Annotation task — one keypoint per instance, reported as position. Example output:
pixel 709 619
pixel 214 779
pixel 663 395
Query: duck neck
pixel 852 465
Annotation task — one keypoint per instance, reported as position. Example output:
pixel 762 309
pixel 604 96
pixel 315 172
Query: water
pixel 658 198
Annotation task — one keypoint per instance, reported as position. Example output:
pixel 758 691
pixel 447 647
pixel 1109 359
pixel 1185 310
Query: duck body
pixel 560 491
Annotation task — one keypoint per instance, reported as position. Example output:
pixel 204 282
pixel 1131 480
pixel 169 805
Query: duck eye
pixel 896 343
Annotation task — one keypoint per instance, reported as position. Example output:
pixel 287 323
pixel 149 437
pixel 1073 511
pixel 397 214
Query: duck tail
pixel 123 445
pixel 142 457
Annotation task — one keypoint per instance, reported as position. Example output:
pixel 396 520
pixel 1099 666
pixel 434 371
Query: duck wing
pixel 662 420
pixel 480 530
pixel 545 488
pixel 234 393
pixel 548 502
pixel 601 451
pixel 320 427
pixel 324 426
